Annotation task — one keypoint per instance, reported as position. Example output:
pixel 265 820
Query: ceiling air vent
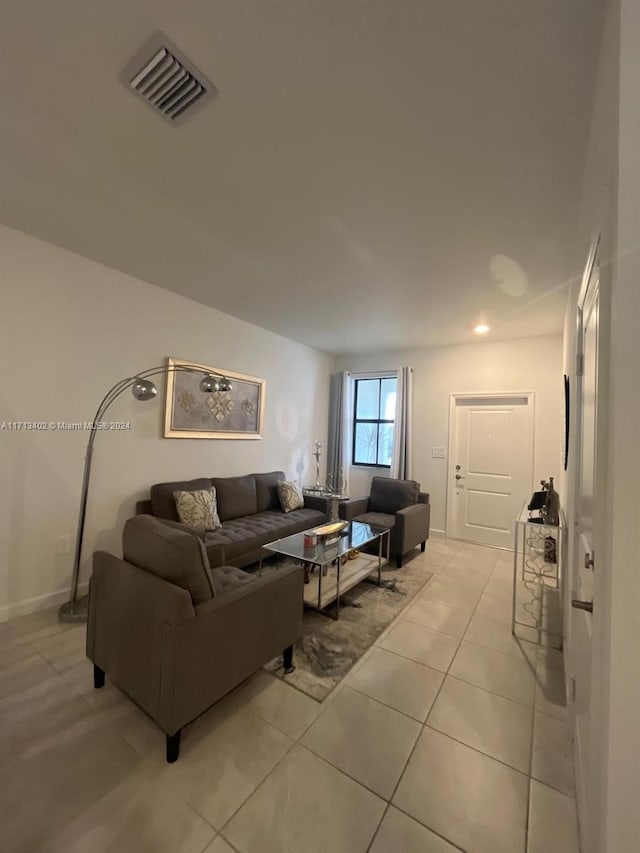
pixel 167 81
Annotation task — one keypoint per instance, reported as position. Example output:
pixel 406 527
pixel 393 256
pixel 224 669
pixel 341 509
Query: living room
pixel 311 235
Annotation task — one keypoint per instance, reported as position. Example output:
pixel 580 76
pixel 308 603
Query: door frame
pixel 481 395
pixel 590 791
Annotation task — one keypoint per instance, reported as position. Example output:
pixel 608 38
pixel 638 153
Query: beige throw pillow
pixel 290 495
pixel 198 509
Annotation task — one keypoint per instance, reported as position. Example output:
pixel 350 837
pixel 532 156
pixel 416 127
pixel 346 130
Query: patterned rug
pixel 329 648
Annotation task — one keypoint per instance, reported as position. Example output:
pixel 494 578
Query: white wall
pixel 69 329
pixel 623 483
pixel 529 364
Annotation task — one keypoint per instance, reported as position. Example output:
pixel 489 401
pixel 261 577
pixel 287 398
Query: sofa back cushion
pixel 173 555
pixel 267 490
pixel 163 503
pixel 389 495
pixel 237 496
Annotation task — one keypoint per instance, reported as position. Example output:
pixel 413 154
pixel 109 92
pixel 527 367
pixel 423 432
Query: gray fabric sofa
pixel 176 635
pixel 250 512
pixel 398 506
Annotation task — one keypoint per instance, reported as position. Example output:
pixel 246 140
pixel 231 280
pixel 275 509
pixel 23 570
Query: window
pixel 373 421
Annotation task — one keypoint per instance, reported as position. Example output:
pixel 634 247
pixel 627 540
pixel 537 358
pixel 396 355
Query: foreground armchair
pixel 175 635
pixel 398 506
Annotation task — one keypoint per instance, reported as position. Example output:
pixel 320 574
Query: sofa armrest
pixel 318 502
pixel 131 616
pixel 350 508
pixel 232 636
pixel 412 525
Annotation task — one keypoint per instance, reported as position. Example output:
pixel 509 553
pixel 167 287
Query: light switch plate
pixel 439 452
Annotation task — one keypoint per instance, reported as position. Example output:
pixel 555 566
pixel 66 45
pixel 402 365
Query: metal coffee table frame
pixel 334 551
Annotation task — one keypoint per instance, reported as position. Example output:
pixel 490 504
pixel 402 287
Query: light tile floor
pixel 447 735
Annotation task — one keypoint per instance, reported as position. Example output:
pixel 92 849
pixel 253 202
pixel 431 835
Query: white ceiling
pixel 374 174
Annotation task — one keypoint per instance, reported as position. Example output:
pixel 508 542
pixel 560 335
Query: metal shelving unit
pixel 537 580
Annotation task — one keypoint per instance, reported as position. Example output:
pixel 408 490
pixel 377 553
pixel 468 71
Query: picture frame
pixel 234 414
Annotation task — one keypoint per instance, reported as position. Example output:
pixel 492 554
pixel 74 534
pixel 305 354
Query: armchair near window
pixel 398 506
pixel 175 635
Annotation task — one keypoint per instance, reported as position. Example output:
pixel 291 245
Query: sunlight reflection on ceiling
pixel 508 275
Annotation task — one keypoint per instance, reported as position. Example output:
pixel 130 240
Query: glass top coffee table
pixel 336 573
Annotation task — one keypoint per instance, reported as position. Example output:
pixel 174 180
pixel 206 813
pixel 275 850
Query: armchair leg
pixel 287 660
pixel 399 561
pixel 98 677
pixel 173 747
pixel 423 545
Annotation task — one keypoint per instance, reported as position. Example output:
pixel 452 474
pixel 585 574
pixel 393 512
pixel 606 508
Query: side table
pixel 332 498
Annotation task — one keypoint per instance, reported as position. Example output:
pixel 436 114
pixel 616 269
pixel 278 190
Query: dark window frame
pixel 377 421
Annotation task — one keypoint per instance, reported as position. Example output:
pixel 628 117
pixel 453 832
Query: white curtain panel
pixel 339 444
pixel 402 457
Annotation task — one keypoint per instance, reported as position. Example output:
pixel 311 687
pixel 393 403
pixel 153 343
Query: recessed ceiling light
pixel 481 329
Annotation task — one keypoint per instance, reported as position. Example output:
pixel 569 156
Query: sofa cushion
pixel 163 504
pixel 389 496
pixel 228 578
pixel 173 555
pixel 236 496
pixel 267 490
pixel 290 495
pixel 198 509
pixel 377 519
pixel 242 535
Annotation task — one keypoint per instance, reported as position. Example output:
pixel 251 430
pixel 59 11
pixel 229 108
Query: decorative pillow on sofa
pixel 290 495
pixel 198 509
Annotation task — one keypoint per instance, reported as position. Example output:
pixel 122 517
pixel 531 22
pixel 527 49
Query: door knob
pixel 459 477
pixel 582 605
pixel 588 561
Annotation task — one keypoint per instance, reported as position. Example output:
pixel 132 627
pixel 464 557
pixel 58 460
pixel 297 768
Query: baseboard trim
pixel 40 602
pixel 438 534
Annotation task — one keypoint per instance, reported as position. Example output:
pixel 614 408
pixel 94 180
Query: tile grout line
pixel 340 686
pixel 529 786
pixel 388 803
pixel 423 726
pixel 297 740
pixel 226 823
pixel 409 757
pixel 374 645
pixel 493 693
pixel 426 724
pixel 144 760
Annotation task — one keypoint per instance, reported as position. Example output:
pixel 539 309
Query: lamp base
pixel 77 611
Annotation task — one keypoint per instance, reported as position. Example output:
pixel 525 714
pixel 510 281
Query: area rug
pixel 329 648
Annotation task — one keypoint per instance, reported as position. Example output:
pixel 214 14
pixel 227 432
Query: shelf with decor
pixel 537 579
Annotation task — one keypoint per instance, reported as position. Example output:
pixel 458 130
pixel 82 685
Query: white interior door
pixel 491 466
pixel 584 562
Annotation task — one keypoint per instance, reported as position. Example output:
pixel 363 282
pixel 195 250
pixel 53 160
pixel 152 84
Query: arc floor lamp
pixel 142 388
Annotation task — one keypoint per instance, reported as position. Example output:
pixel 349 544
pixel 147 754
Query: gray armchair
pixel 175 635
pixel 398 506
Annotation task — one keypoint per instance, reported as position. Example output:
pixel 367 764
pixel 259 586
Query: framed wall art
pixel 229 413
